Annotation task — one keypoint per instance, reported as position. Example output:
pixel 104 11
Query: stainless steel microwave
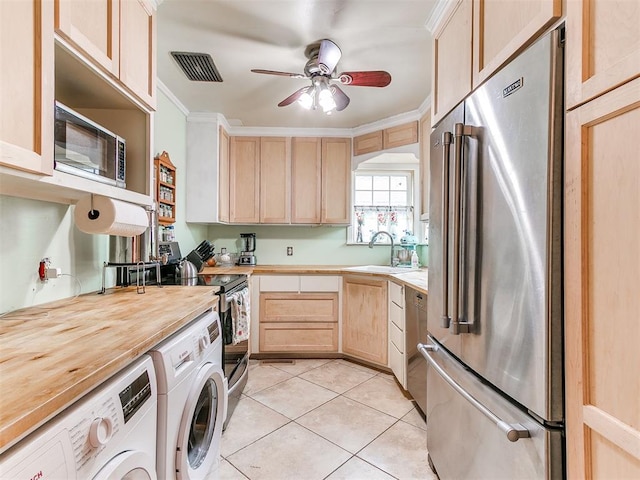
pixel 84 148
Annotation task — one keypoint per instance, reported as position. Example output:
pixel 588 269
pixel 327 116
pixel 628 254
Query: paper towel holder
pixel 93 214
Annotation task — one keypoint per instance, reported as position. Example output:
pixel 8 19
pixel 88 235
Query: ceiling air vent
pixel 198 67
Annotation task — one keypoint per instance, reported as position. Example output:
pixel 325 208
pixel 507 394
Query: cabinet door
pixel 92 26
pixel 244 180
pixel 502 28
pixel 368 143
pixel 400 135
pixel 602 281
pixel 138 49
pixel 26 91
pixel 336 180
pixel 275 178
pixel 603 47
pixel 364 318
pixel 452 60
pixel 223 179
pixel 306 185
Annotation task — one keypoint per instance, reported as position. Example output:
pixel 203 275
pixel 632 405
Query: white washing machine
pixel 192 399
pixel 108 434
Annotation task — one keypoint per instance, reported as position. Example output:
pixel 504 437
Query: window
pixel 382 201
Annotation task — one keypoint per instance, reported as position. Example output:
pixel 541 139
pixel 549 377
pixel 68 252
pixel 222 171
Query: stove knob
pixel 100 432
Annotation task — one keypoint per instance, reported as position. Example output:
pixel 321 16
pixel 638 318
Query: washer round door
pixel 128 465
pixel 201 424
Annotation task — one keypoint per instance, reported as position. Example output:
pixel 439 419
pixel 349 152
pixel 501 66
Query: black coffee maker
pixel 248 241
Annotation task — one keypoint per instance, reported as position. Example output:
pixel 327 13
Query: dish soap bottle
pixel 414 260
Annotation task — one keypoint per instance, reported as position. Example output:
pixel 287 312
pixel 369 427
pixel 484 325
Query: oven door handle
pixel 513 431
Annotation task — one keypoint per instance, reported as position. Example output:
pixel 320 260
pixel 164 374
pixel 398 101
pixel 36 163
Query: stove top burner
pixel 225 282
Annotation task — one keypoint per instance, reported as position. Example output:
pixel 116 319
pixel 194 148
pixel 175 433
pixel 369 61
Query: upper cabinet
pixel 503 29
pixel 83 54
pixel 306 184
pixel 391 137
pixel 244 180
pixel 475 38
pixel 275 180
pixel 336 181
pixel 117 36
pixel 425 151
pixel 603 47
pixel 26 94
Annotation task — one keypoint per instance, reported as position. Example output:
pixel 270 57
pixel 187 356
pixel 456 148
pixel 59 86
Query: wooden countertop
pixel 52 354
pixel 416 279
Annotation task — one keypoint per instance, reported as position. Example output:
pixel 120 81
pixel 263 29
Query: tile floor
pixel 322 419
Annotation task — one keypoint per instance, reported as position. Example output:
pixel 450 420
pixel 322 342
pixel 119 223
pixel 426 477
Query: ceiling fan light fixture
pixel 306 100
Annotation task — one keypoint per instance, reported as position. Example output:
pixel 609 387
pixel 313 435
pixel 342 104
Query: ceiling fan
pixel 323 57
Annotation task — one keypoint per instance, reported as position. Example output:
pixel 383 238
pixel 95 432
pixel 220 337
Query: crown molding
pixel 439 13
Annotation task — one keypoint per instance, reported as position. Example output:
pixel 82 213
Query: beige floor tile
pixel 225 471
pixel 355 365
pixel 358 469
pixel 382 394
pixel 292 452
pixel 250 421
pixel 261 377
pixel 294 397
pixel 337 376
pixel 415 418
pixel 301 366
pixel 347 423
pixel 401 451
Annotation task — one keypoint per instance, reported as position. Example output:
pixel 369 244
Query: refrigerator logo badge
pixel 517 85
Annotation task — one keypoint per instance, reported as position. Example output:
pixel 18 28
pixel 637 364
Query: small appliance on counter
pixel 248 241
pixel 405 251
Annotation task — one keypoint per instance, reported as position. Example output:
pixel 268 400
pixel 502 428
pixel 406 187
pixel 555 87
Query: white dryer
pixel 192 399
pixel 108 434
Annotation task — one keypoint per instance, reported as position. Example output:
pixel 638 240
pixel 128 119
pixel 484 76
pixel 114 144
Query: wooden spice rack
pixel 165 174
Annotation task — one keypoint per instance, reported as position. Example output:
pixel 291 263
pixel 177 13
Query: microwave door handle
pixel 447 138
pixel 513 431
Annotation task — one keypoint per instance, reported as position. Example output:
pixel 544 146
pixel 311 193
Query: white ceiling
pixel 272 34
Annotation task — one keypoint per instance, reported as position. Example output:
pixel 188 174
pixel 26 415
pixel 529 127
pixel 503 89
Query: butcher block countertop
pixel 52 354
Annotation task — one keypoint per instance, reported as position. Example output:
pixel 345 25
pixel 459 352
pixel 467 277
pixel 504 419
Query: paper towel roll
pixel 110 217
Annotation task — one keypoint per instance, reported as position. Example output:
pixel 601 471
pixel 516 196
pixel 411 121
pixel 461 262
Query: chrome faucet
pixel 373 239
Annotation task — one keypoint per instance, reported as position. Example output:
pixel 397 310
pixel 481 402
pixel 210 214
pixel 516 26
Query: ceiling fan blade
pixel 339 97
pixel 372 78
pixel 328 56
pixel 282 74
pixel 293 97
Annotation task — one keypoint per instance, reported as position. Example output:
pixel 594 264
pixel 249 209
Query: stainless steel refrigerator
pixel 495 404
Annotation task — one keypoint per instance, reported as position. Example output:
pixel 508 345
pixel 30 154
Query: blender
pixel 248 241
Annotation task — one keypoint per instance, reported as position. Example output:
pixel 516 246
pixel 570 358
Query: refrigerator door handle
pixel 447 139
pixel 513 431
pixel 457 326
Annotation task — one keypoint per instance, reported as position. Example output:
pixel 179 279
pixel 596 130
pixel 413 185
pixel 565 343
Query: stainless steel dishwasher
pixel 416 328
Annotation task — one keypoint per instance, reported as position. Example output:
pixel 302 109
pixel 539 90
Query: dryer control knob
pixel 203 343
pixel 100 431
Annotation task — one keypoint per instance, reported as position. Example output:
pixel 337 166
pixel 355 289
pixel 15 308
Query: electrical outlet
pixel 53 272
pixel 289 251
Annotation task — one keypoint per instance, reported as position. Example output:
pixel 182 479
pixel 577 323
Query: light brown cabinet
pixel 223 175
pixel 306 179
pixel 602 281
pixel 118 36
pixel 425 151
pixel 298 322
pixel 336 181
pixel 364 318
pixel 475 38
pixel 602 49
pixel 244 180
pixel 452 60
pixel 26 96
pixel 391 137
pixel 367 143
pixel 275 180
pixel 503 29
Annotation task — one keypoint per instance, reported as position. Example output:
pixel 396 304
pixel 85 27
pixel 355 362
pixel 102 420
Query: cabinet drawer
pixel 298 337
pixel 396 294
pixel 397 364
pixel 330 283
pixel 397 337
pixel 279 283
pixel 396 315
pixel 299 307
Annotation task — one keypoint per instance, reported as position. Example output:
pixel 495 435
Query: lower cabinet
pixel 364 318
pixel 397 337
pixel 298 322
